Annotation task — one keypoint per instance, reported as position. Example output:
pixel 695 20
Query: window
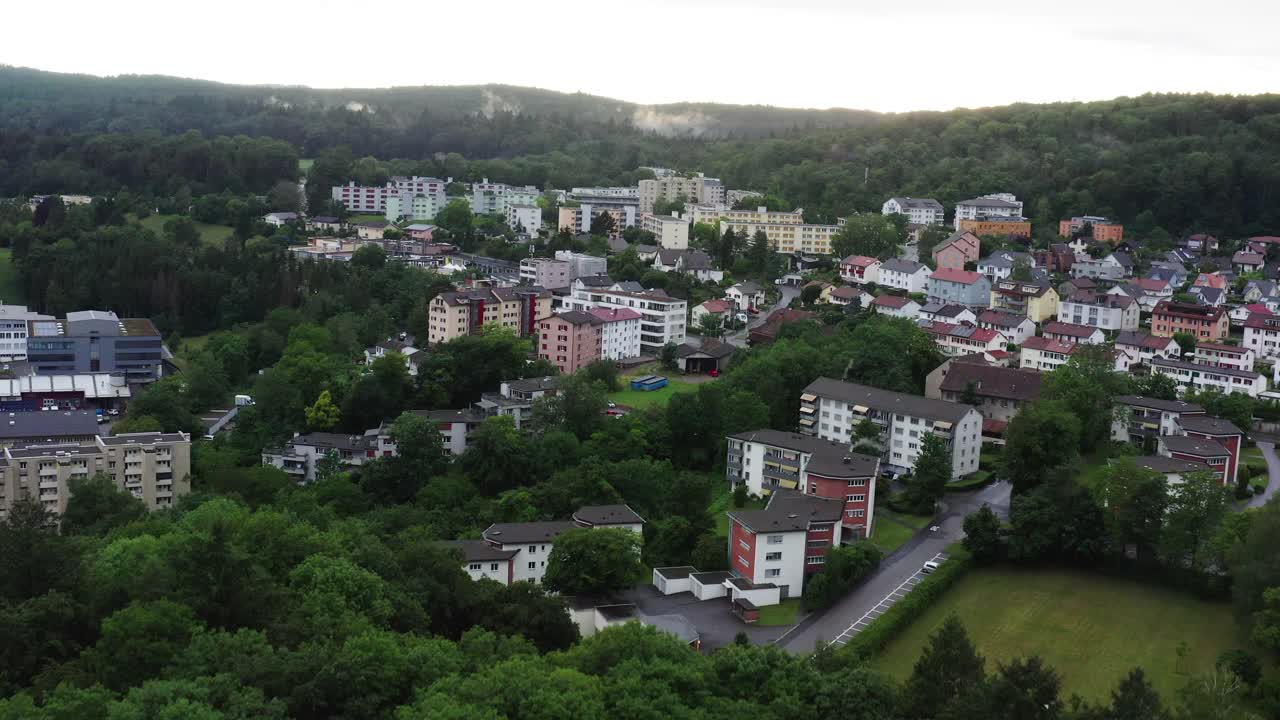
pixel 743 544
pixel 493 567
pixel 743 561
pixel 858 513
pixel 773 557
pixel 775 539
pixel 533 549
pixel 815 560
pixel 772 572
pixel 857 498
pixel 533 566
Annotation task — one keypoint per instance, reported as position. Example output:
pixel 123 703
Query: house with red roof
pixel 1213 280
pixel 1070 332
pixel 958 250
pixel 964 338
pixel 860 269
pixel 1045 354
pixel 896 306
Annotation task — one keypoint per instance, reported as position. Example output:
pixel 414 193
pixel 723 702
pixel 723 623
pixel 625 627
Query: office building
pixel 91 341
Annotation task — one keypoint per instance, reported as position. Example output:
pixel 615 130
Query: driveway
pixel 789 293
pixel 1273 475
pixel 896 570
pixel 716 624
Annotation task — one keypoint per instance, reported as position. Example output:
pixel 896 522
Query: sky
pixel 866 54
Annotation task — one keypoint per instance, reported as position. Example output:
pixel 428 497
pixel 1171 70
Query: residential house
pixel 1173 470
pixel 1045 354
pixel 1220 431
pixel 1070 332
pixel 1112 268
pixel 1194 376
pixel 690 262
pixel 712 356
pixel 1099 228
pixel 1241 313
pixel 845 295
pixel 455 426
pixel 1256 290
pixel 570 340
pixel 956 251
pixel 1200 243
pixel 1204 323
pixel 1145 347
pixel 919 211
pixel 524 219
pixel 999 265
pixel 300 456
pixel 860 269
pixel 280 219
pixel 1212 280
pixel 1198 450
pixel 372 230
pixel 1100 310
pixel 1035 299
pixel 325 223
pixel 466 312
pixel 949 285
pixel 964 338
pixel 1057 259
pixel 412 355
pixel 1221 355
pixel 1262 335
pixel 997 206
pixel 1137 419
pixel 620 332
pixel 1248 262
pixel 515 398
pixel 746 295
pixel 896 306
pixel 1000 391
pixel 421 232
pixel 1074 285
pixel 484 561
pixel 1147 291
pixel 904 275
pixel 549 273
pixel 1172 273
pixel 832 410
pixel 720 308
pixel 530 543
pixel 1016 328
pixel 1210 297
pixel 937 312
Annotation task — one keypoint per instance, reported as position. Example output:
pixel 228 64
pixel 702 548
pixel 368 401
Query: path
pixel 1273 475
pixel 739 338
pixel 883 606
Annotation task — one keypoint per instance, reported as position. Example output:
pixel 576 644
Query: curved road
pixel 789 293
pixel 1273 475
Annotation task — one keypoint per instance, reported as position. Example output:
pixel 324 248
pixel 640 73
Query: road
pixel 1273 475
pixel 739 338
pixel 895 570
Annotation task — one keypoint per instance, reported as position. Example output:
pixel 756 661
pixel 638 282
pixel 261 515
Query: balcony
pixel 779 473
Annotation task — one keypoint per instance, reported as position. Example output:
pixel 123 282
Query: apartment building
pixel 961 287
pixel 988 207
pixel 991 227
pixel 1262 334
pixel 14 328
pixel 466 312
pixel 90 341
pixel 570 340
pixel 1137 419
pixel 300 456
pixel 1212 455
pixel 1219 431
pixel 455 426
pixel 490 198
pixel 629 194
pixel 1035 299
pixel 582 264
pixel 765 216
pixel 1144 347
pixel 372 199
pixel 695 188
pixel 414 206
pixel 515 398
pixel 964 338
pixel 620 332
pixel 1204 323
pixel 831 409
pixel 1228 356
pixel 1000 391
pixel 779 546
pixel 919 211
pixel 1000 264
pixel 1112 268
pixel 546 272
pixel 523 218
pixel 1099 228
pixel 860 269
pixel 1101 310
pixel 1045 354
pixel 515 552
pixel 671 233
pixel 662 318
pixel 768 461
pixel 1015 328
pixel 904 275
pixel 1070 332
pixel 578 219
pixel 788 238
pixel 1189 375
pixel 153 467
pixel 957 251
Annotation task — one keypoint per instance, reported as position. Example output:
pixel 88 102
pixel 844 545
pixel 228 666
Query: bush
pixel 740 495
pixel 844 567
pixel 868 643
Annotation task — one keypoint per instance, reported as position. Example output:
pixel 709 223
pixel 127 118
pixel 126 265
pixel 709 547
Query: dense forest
pixel 1163 164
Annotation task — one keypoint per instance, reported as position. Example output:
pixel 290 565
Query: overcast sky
pixel 889 56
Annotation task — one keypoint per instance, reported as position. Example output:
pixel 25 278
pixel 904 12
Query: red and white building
pixel 860 269
pixel 783 543
pixel 1227 356
pixel 1262 335
pixel 1211 454
pixel 373 198
pixel 1045 354
pixel 1147 347
pixel 1070 332
pixel 1015 328
pixel 964 338
pixel 570 340
pixel 620 335
pixel 1218 430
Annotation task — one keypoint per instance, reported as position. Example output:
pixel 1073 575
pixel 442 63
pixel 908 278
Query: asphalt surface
pixel 739 338
pixel 895 570
pixel 1273 475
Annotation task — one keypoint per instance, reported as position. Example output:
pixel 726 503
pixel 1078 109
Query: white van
pixel 929 567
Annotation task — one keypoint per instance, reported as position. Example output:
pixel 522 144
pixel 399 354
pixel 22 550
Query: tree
pixel 759 253
pixel 709 553
pixel 1186 342
pixel 97 505
pixel 369 257
pixel 1042 436
pixel 593 562
pixel 1138 499
pixel 1196 507
pixel 1023 689
pixel 667 356
pixel 1241 664
pixel 842 569
pixel 1057 520
pixel 455 217
pixel 969 396
pixel 1088 385
pixel 948 668
pixel 496 455
pixel 285 196
pixel 138 642
pixel 929 479
pixel 577 407
pixel 711 325
pixel 1021 270
pixel 602 225
pixel 323 415
pixel 868 234
pixel 810 293
pixel 604 372
pixel 982 535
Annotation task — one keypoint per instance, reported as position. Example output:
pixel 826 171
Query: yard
pixel 651 398
pixel 1091 628
pixel 784 613
pixel 213 235
pixel 889 535
pixel 10 288
pixel 723 504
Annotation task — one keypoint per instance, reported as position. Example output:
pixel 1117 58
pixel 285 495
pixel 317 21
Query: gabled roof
pixel 962 237
pixel 950 310
pixel 710 347
pixel 1070 329
pixel 1044 344
pixel 528 532
pixel 1149 284
pixel 1199 447
pixel 964 277
pixel 847 293
pixel 902 266
pixel 891 301
pixel 612 314
pixel 860 261
pixel 746 287
pixel 918 203
pixel 886 400
pixel 474 551
pixel 826 457
pixel 1207 425
pixel 607 515
pixel 1137 338
pixel 1171 406
pixel 789 511
pixel 1027 288
pixel 1247 258
pixel 1002 319
pixel 1003 383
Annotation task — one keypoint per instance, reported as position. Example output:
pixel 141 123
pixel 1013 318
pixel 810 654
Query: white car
pixel 929 567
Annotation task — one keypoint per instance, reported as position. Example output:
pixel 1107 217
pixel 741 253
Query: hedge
pixel 982 478
pixel 868 643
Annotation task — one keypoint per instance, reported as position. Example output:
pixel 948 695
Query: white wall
pixel 494 570
pixel 789 566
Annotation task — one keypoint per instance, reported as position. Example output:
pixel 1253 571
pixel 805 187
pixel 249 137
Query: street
pixel 895 570
pixel 1273 475
pixel 739 338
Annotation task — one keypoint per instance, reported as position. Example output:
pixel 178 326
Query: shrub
pixel 845 566
pixel 882 630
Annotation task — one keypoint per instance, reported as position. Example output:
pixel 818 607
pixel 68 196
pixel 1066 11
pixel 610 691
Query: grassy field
pixel 189 347
pixel 723 504
pixel 888 535
pixel 10 289
pixel 1091 628
pixel 209 234
pixel 366 218
pixel 784 613
pixel 304 165
pixel 651 398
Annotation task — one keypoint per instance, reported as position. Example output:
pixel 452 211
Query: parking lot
pixel 883 606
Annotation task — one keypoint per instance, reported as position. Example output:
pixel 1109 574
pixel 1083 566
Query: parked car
pixel 929 567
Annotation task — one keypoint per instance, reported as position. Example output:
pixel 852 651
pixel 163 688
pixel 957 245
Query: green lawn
pixel 10 288
pixel 1253 457
pixel 916 521
pixel 723 504
pixel 304 165
pixel 189 347
pixel 209 234
pixel 366 218
pixel 650 398
pixel 1091 628
pixel 889 535
pixel 784 613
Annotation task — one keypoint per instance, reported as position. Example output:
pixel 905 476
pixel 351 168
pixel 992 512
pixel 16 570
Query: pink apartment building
pixel 571 340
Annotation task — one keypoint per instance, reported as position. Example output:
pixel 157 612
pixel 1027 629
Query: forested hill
pixel 1162 164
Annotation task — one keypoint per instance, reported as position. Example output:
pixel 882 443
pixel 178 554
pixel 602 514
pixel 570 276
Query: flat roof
pixel 676 573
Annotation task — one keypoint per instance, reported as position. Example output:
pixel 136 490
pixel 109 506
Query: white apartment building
pixel 1016 328
pixel 697 189
pixel 904 275
pixel 670 233
pixel 582 264
pixel 1137 417
pixel 578 219
pixel 629 193
pixel 1227 356
pixel 996 205
pixel 373 198
pixel 414 206
pixel 1100 310
pixel 1147 347
pixel 620 334
pixel 763 215
pixel 1044 354
pixel 546 272
pixel 518 552
pixel 524 218
pixel 831 409
pixel 964 338
pixel 920 211
pixel 492 198
pixel 662 317
pixel 1207 377
pixel 708 214
pixel 1262 335
pixel 13 331
pixel 787 237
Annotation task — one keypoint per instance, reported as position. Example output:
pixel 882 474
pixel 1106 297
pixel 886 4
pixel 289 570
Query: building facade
pixel 957 251
pixel 996 206
pixel 372 199
pixel 455 314
pixel 671 233
pixel 919 211
pixel 546 272
pixel 961 287
pixel 787 237
pixel 662 318
pixel 904 275
pixel 1112 313
pixel 695 188
pixel 1036 299
pixel 620 334
pixel 570 340
pixel 91 341
pixel 524 218
pixel 1204 323
pixel 1102 229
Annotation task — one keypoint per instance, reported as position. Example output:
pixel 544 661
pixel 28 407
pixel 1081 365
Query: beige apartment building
pixel 763 215
pixel 669 233
pixel 153 467
pixel 696 189
pixel 788 237
pixel 465 312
